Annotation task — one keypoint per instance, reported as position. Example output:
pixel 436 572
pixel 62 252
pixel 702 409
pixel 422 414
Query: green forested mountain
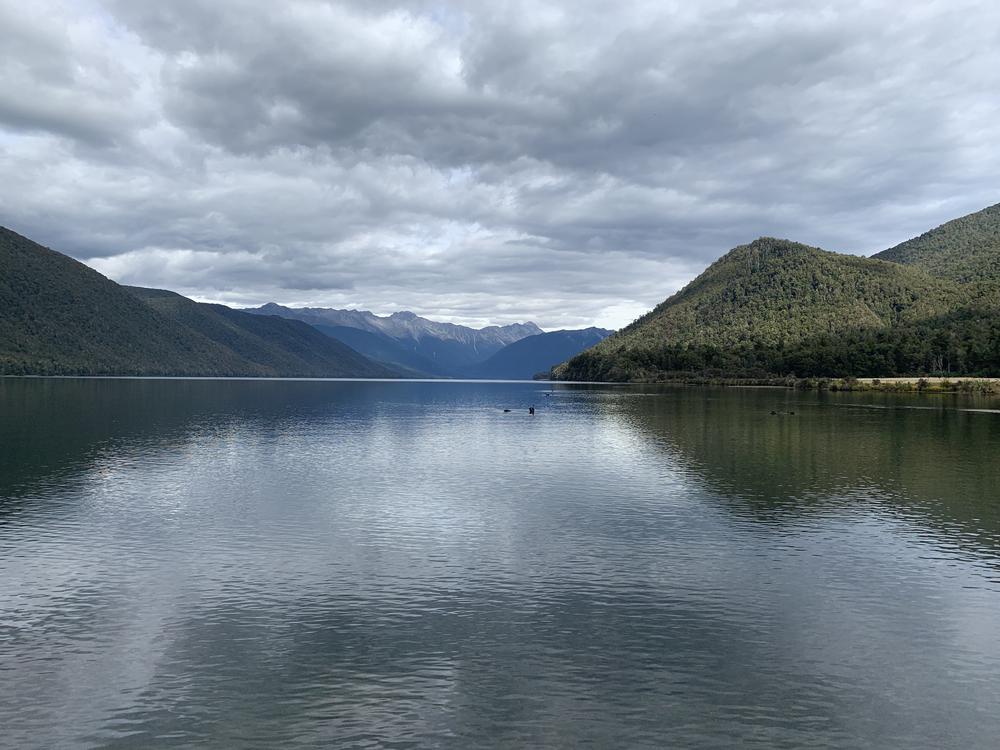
pixel 59 317
pixel 964 250
pixel 777 308
pixel 269 342
pixel 929 306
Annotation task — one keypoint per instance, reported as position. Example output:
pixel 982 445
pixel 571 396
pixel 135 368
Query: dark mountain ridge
pixel 384 349
pixel 537 354
pixel 273 343
pixel 60 317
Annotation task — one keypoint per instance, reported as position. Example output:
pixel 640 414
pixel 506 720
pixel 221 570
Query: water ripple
pixel 296 564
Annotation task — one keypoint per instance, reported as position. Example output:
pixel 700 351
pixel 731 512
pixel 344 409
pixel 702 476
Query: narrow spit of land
pixel 925 384
pixel 935 381
pixel 914 384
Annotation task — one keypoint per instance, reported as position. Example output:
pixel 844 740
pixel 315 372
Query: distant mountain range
pixel 59 317
pixel 421 347
pixel 930 305
pixel 771 308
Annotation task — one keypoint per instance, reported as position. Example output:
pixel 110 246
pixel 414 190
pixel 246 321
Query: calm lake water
pixel 401 564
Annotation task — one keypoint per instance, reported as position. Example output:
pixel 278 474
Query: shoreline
pixel 985 386
pixel 913 384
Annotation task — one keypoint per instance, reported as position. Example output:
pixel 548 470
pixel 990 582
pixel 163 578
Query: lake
pixel 204 563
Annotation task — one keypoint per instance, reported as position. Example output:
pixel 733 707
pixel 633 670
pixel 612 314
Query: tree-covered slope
pixel 964 250
pixel 277 346
pixel 524 359
pixel 59 317
pixel 763 309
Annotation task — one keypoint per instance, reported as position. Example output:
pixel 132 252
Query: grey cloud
pixel 568 163
pixel 62 78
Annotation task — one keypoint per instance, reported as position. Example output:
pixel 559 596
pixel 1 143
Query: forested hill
pixel 964 250
pixel 59 317
pixel 775 308
pixel 270 343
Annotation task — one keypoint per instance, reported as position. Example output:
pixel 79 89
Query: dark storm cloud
pixel 566 162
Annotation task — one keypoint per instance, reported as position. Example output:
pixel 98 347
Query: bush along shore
pixel 982 386
pixel 903 385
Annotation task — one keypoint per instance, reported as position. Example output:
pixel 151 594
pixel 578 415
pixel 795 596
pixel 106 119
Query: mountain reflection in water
pixel 302 563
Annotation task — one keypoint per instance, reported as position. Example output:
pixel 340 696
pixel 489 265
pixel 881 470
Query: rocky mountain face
pixel 447 347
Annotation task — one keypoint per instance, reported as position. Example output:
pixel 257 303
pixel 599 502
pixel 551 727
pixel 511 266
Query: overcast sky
pixel 571 163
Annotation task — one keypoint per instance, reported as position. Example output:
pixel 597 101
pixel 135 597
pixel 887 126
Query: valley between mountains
pixel 772 308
